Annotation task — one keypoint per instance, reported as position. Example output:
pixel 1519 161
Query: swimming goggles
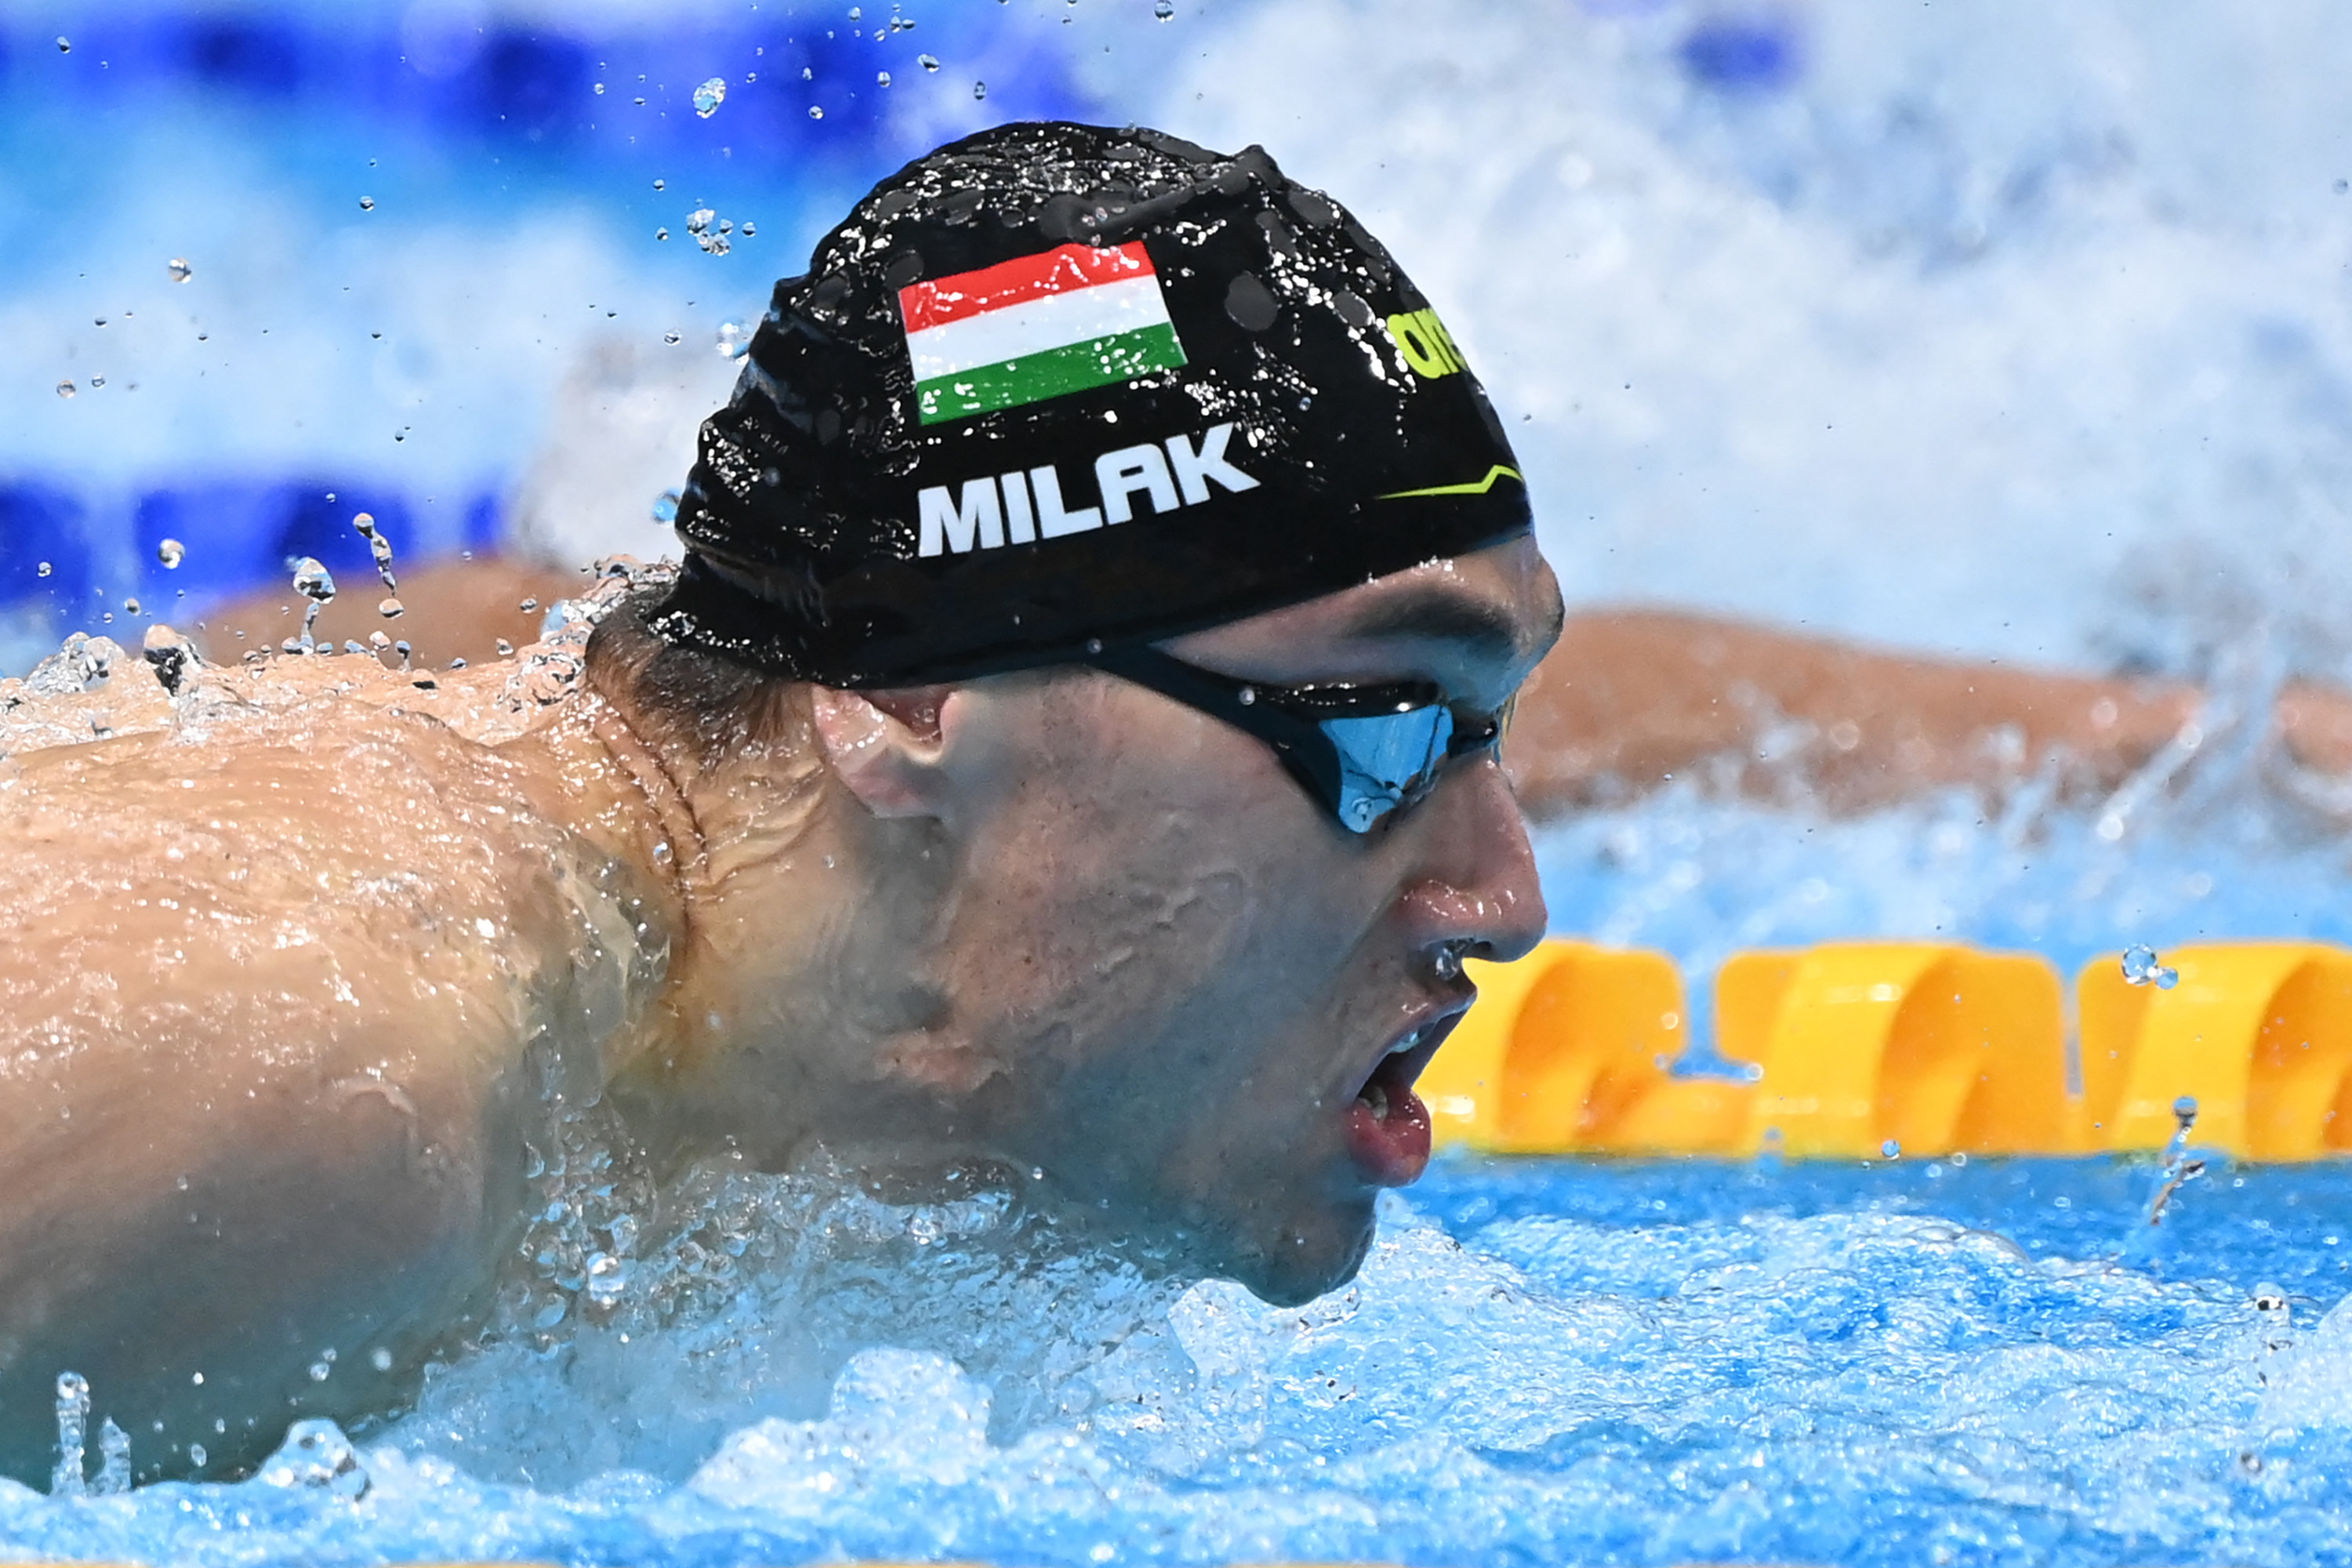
pixel 1363 752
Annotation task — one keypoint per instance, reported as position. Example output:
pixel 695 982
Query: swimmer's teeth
pixel 1378 1099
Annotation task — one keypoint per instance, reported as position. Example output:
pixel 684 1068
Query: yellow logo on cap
pixel 1425 344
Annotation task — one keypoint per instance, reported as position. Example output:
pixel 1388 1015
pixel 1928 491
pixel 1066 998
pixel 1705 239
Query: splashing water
pixel 316 583
pixel 709 96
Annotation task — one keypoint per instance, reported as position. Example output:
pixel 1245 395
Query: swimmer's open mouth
pixel 1388 1125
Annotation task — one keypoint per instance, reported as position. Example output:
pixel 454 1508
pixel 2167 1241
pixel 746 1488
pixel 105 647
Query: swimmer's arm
pixel 1631 698
pixel 259 1082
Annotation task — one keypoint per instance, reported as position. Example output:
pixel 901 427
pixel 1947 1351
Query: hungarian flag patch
pixel 1037 327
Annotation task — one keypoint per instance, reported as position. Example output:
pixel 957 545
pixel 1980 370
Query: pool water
pixel 1543 1361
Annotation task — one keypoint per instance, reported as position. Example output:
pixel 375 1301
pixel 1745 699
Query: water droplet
pixel 1892 1149
pixel 709 96
pixel 320 1371
pixel 95 382
pixel 390 609
pixel 313 580
pixel 130 606
pixel 179 269
pixel 673 337
pixel 661 234
pixel 600 90
pixel 928 62
pixel 882 78
pixel 734 339
pixel 367 204
pixel 661 185
pixel 316 1454
pixel 170 552
pixel 65 389
pixel 45 569
pixel 979 89
pixel 528 606
pixel 815 112
pixel 747 230
pixel 506 648
pixel 196 1454
pixel 666 507
pixel 65 45
pixel 699 220
pixel 378 641
pixel 808 73
pixel 2141 967
pixel 379 1359
pixel 1164 9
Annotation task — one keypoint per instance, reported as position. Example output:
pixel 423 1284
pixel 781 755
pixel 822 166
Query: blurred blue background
pixel 2007 330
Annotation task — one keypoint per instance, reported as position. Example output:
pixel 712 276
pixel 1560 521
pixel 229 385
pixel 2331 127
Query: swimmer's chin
pixel 1301 1263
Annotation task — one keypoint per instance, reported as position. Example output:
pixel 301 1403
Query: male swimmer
pixel 1070 743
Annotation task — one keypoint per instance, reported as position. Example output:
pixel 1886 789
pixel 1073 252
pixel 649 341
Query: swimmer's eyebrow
pixel 1484 631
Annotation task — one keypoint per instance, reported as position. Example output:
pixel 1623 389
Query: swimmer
pixel 1069 745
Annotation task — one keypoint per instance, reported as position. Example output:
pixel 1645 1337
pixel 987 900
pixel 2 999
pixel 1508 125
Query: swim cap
pixel 1055 387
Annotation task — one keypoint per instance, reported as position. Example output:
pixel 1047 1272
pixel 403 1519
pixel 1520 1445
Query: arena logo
pixel 1025 506
pixel 1425 344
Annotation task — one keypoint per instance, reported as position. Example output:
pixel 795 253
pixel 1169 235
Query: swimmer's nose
pixel 1478 895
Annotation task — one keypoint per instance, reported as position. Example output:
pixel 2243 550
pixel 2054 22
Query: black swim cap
pixel 1055 385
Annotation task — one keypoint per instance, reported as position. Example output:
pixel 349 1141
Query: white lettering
pixel 977 523
pixel 1020 527
pixel 1195 469
pixel 1053 523
pixel 1131 468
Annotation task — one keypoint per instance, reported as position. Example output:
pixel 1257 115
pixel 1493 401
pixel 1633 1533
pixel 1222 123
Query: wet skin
pixel 322 968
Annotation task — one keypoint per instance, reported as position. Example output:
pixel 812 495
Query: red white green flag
pixel 1036 327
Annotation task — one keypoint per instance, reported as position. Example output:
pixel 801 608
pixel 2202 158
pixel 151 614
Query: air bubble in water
pixel 65 389
pixel 928 62
pixel 1892 1149
pixel 661 185
pixel 608 1279
pixel 815 112
pixel 1164 9
pixel 179 269
pixel 391 608
pixel 666 507
pixel 130 606
pixel 95 382
pixel 73 1424
pixel 320 1371
pixel 661 234
pixel 170 552
pixel 881 78
pixel 747 230
pixel 2141 967
pixel 673 337
pixel 65 45
pixel 367 204
pixel 709 96
pixel 45 569
pixel 196 1454
pixel 979 89
pixel 734 339
pixel 379 1359
pixel 808 73
pixel 506 648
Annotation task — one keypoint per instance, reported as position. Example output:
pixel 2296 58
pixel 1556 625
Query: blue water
pixel 1543 1362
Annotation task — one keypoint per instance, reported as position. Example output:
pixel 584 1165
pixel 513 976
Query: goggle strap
pixel 1300 744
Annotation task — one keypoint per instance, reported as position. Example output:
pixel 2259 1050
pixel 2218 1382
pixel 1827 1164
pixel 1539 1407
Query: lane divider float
pixel 1850 1050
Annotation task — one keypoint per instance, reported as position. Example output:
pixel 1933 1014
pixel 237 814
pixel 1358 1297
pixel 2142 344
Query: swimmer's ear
pixel 886 746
